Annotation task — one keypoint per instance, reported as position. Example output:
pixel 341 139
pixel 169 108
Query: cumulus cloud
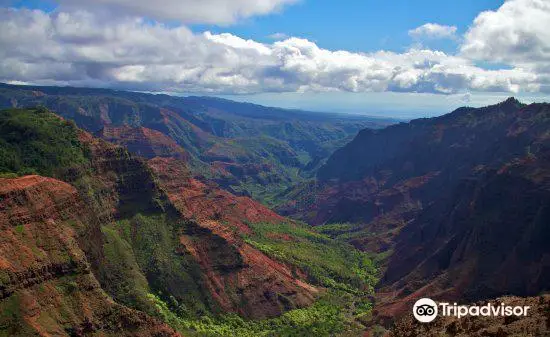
pixel 516 33
pixel 433 31
pixel 187 11
pixel 82 48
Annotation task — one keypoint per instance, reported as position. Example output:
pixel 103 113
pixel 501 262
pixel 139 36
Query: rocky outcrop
pixel 121 183
pixel 47 287
pixel 457 203
pixel 240 278
pixel 143 142
pixel 487 239
pixel 35 199
pixel 202 200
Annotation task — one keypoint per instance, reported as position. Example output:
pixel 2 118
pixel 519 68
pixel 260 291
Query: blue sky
pixel 360 25
pixel 398 58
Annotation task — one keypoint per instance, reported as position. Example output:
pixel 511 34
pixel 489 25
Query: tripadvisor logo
pixel 426 310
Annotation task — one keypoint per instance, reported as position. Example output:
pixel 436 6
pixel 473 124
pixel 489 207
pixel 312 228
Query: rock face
pixel 457 202
pixel 121 183
pixel 237 277
pixel 240 278
pixel 204 201
pixel 143 142
pixel 487 239
pixel 46 284
pixel 121 230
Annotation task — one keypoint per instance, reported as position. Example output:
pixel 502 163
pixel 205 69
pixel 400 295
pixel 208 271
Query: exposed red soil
pixel 44 274
pixel 202 202
pixel 169 116
pixel 240 278
pixel 35 198
pixel 144 142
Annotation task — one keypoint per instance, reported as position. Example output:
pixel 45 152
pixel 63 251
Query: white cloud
pixel 278 36
pixel 517 33
pixel 433 31
pixel 186 11
pixel 82 48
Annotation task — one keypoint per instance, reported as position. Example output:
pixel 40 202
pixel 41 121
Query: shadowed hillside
pixel 456 205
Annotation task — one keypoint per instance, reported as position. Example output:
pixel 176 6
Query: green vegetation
pixel 11 318
pixel 328 262
pixel 142 256
pixel 347 275
pixel 142 264
pixel 345 232
pixel 327 317
pixel 36 141
pixel 19 229
pixel 338 230
pixel 124 280
pixel 256 186
pixel 146 273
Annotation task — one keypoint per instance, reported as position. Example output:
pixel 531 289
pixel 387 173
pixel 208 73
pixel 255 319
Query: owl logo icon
pixel 425 310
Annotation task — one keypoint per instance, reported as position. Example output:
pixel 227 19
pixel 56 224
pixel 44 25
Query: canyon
pixel 138 214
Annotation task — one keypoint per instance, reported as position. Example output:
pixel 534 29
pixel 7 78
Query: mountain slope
pixel 456 204
pixel 143 142
pixel 46 283
pixel 248 149
pixel 157 240
pixel 487 239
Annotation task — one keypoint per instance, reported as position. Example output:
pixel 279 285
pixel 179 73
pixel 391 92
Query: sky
pixel 397 58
